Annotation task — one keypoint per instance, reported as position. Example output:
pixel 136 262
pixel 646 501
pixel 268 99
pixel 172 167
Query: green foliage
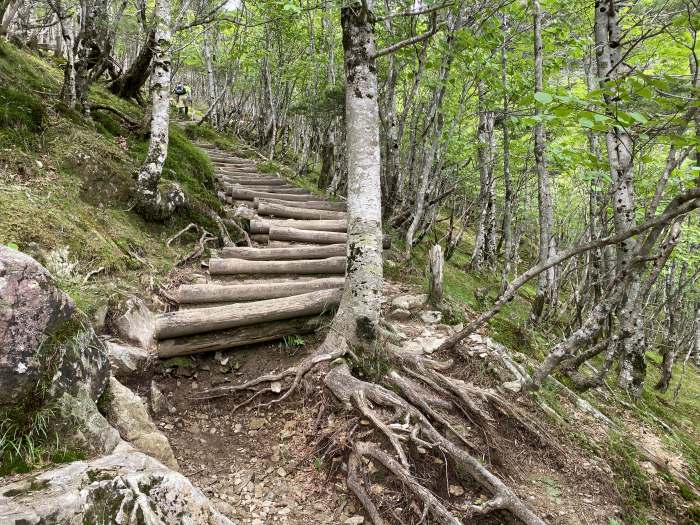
pixel 22 118
pixel 293 341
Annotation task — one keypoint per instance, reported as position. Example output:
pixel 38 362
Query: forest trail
pixel 256 465
pixel 288 278
pixel 259 462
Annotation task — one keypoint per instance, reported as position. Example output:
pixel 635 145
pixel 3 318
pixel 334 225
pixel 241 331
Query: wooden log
pixel 260 238
pixel 211 293
pixel 263 225
pixel 223 159
pixel 231 169
pixel 281 233
pixel 242 194
pixel 316 205
pixel 284 254
pixel 261 187
pixel 254 181
pixel 189 322
pixel 230 266
pixel 235 337
pixel 286 190
pixel 290 212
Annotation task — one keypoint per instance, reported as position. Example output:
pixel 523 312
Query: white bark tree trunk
pixel 211 82
pixel 359 311
pixel 547 248
pixel 152 202
pixel 484 242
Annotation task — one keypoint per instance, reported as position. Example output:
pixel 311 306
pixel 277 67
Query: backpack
pixel 179 89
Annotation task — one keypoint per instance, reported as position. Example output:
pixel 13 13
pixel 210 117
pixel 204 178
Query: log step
pixel 289 212
pixel 285 190
pixel 281 233
pixel 316 205
pixel 231 266
pixel 217 293
pixel 242 194
pixel 268 189
pixel 258 226
pixel 234 337
pixel 284 254
pixel 255 181
pixel 190 322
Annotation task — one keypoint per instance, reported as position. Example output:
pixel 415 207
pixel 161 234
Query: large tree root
pixel 351 391
pixel 404 416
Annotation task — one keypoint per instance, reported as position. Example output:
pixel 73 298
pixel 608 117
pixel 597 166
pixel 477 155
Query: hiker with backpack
pixel 181 98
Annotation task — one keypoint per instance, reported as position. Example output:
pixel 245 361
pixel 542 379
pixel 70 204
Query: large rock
pixel 128 414
pixel 119 489
pixel 45 346
pixel 82 427
pixel 137 324
pixel 126 360
pixel 409 302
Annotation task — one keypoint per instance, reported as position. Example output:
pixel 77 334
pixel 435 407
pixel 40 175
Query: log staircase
pixel 287 283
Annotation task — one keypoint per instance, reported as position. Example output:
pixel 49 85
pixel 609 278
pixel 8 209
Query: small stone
pixel 354 520
pixel 281 472
pixel 257 423
pixel 276 387
pixel 456 490
pixel 431 316
pixel 399 314
pixel 409 302
pixel 158 402
pixel 513 386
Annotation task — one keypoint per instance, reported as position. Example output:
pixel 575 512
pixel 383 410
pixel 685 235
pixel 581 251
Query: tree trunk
pixel 435 275
pixel 620 149
pixel 508 197
pixel 211 82
pixel 434 113
pixel 484 240
pixel 358 315
pixel 8 10
pixel 152 202
pixel 129 84
pixel 546 282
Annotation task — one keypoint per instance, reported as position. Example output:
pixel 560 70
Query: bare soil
pixel 263 464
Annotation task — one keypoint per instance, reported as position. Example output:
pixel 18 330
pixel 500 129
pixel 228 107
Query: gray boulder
pixel 409 302
pixel 128 414
pixel 126 360
pixel 44 343
pixel 137 324
pixel 118 489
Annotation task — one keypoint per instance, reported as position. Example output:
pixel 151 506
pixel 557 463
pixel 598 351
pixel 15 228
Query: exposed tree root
pixel 347 389
pixel 405 416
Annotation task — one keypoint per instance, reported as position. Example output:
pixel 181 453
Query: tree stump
pixel 435 275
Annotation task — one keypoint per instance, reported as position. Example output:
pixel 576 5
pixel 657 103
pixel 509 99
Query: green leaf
pixel 585 122
pixel 12 246
pixel 639 117
pixel 543 97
